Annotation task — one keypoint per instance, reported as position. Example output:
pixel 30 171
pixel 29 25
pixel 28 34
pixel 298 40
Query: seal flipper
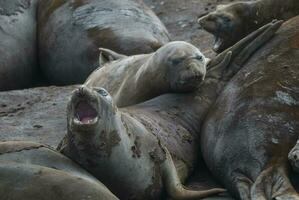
pixel 267 33
pixel 173 185
pixel 107 55
pixel 243 186
pixel 273 183
pixel 253 41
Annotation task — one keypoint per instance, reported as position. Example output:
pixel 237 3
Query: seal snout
pixel 84 107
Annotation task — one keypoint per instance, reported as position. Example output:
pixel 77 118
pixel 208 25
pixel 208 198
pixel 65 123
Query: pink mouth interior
pixel 85 112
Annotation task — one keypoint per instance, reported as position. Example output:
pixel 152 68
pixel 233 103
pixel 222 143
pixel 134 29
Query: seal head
pixel 225 24
pixel 186 65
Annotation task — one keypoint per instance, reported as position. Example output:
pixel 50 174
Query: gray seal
pixel 150 148
pixel 70 33
pixel 31 170
pixel 18 57
pixel 175 67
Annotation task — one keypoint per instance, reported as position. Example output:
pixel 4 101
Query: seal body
pixel 252 127
pixel 148 148
pixel 175 67
pixel 232 22
pixel 70 33
pixel 17 43
pixel 34 171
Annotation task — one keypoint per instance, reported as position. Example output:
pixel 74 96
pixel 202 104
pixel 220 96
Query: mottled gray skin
pixel 293 157
pixel 17 43
pixel 149 148
pixel 255 121
pixel 232 22
pixel 70 33
pixel 176 67
pixel 34 171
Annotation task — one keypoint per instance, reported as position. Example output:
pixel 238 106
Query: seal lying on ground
pixel 149 148
pixel 255 121
pixel 70 33
pixel 175 67
pixel 17 43
pixel 34 171
pixel 230 23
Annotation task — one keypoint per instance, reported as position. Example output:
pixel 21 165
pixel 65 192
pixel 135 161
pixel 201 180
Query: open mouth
pixel 85 114
pixel 218 43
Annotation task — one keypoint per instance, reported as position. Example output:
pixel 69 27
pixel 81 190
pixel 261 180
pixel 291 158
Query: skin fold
pixel 250 130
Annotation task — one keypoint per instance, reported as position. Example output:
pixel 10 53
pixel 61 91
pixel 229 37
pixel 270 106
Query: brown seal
pixel 70 33
pixel 255 121
pixel 176 67
pixel 145 150
pixel 230 23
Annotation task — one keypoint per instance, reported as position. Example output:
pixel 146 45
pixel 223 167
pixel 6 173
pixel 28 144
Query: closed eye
pixel 101 91
pixel 177 61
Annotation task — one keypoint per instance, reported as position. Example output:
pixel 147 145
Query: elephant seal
pixel 150 148
pixel 70 33
pixel 294 157
pixel 176 67
pixel 31 170
pixel 17 43
pixel 230 23
pixel 253 125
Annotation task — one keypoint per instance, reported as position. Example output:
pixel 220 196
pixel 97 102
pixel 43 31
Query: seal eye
pixel 177 61
pixel 200 58
pixel 102 92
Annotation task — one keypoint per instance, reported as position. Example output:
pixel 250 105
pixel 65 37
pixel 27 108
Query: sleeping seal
pixel 175 67
pixel 71 31
pixel 30 170
pixel 17 43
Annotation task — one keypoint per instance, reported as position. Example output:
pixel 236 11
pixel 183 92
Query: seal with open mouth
pixel 232 22
pixel 176 67
pixel 145 150
pixel 71 31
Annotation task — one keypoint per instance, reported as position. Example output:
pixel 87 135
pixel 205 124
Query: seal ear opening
pixel 107 55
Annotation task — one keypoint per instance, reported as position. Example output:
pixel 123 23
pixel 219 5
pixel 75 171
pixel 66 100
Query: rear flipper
pixel 294 157
pixel 173 184
pixel 273 183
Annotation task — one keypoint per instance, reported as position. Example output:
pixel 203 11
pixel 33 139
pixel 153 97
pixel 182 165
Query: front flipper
pixel 173 185
pixel 273 183
pixel 107 55
pixel 241 51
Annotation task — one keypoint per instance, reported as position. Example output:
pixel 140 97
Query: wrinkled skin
pixel 175 67
pixel 232 22
pixel 34 171
pixel 17 43
pixel 253 125
pixel 71 31
pixel 149 148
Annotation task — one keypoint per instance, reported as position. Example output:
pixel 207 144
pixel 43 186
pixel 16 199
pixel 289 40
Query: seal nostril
pixel 295 157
